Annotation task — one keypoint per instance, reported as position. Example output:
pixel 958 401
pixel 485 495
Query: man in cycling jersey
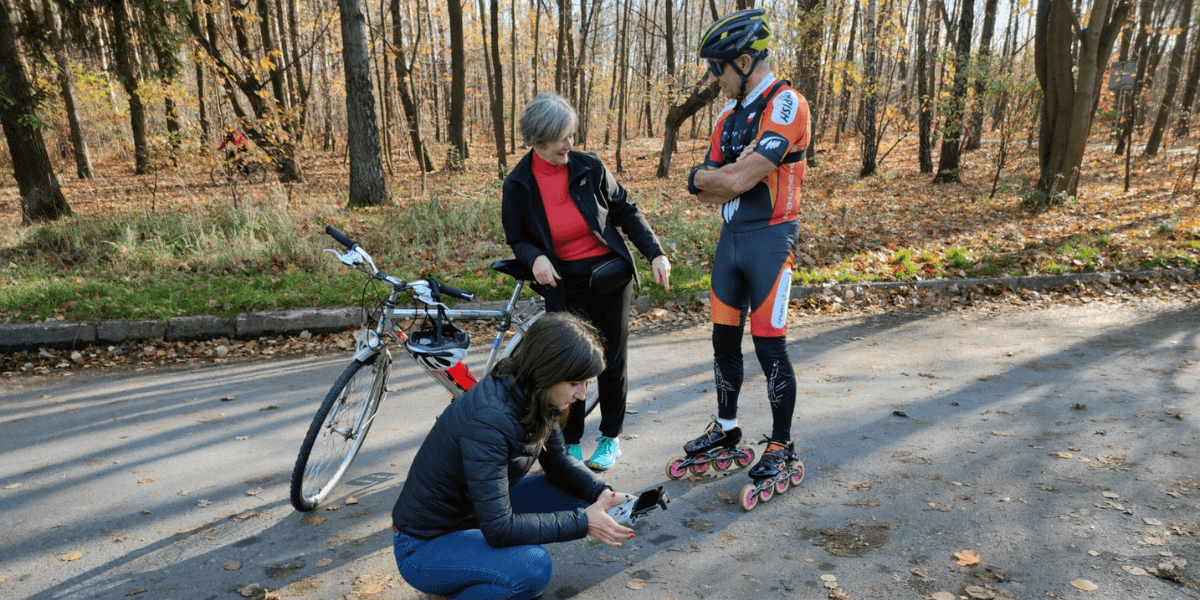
pixel 753 170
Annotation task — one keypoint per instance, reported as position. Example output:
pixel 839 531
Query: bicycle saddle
pixel 513 268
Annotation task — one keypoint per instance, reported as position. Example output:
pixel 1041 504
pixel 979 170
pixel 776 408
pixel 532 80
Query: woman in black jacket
pixel 562 211
pixel 468 523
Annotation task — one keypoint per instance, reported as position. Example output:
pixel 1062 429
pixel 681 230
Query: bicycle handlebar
pixel 342 238
pixel 438 287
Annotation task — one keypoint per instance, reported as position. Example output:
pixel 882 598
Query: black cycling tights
pixel 776 365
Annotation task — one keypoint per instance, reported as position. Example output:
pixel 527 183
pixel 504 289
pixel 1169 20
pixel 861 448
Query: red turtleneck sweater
pixel 573 238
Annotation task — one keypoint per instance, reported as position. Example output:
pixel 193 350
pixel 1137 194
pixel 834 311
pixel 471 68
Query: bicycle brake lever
pixel 351 258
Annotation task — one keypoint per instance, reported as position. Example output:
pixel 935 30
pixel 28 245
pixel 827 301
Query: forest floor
pixel 895 225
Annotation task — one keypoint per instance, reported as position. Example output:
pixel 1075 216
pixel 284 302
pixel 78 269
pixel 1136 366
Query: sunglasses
pixel 716 67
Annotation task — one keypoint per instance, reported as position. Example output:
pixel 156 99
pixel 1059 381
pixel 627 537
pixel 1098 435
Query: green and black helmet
pixel 735 34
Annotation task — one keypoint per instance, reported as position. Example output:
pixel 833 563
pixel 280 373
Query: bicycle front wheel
pixel 338 431
pixel 219 175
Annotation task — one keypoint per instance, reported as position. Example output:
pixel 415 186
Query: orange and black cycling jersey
pixel 776 117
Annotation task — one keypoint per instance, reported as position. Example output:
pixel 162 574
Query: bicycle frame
pixel 458 378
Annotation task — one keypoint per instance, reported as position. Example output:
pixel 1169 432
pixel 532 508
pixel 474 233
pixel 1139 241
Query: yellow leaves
pixel 966 558
pixel 71 556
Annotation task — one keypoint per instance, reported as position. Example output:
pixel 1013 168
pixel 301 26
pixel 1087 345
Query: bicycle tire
pixel 256 173
pixel 337 431
pixel 218 175
pixel 523 324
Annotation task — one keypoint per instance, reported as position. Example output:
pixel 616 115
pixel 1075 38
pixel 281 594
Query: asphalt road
pixel 1059 446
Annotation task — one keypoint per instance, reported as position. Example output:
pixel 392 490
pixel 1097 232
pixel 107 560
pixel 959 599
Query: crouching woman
pixel 469 523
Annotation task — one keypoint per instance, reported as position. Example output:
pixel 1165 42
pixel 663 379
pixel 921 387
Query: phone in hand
pixel 630 510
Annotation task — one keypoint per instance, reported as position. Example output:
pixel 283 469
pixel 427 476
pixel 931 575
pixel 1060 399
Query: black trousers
pixel 609 313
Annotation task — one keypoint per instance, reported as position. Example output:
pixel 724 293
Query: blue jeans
pixel 463 565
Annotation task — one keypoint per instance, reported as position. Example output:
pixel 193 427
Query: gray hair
pixel 545 118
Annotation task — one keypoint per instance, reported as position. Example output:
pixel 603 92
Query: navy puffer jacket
pixel 475 452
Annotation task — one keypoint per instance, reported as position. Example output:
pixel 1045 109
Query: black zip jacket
pixel 603 203
pixel 475 452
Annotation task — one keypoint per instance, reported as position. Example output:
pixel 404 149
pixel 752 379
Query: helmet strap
pixel 745 77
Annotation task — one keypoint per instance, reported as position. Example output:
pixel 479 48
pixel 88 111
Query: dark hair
pixel 558 347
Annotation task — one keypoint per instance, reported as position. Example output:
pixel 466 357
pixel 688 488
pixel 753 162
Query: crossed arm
pixel 719 185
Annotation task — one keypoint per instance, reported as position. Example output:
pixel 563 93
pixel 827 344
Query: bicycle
pixel 223 173
pixel 345 416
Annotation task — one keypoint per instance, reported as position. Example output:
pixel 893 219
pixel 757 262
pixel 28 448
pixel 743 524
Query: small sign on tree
pixel 1122 77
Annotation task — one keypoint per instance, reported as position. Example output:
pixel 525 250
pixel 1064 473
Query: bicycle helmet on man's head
pixel 439 349
pixel 743 32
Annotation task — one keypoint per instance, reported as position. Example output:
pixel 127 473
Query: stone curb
pixel 19 337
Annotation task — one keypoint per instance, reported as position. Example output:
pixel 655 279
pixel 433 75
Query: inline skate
pixel 716 447
pixel 778 469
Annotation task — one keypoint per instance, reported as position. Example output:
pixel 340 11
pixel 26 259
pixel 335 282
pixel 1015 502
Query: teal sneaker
pixel 576 451
pixel 606 454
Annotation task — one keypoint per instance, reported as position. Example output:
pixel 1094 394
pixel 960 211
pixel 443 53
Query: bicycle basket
pixel 438 348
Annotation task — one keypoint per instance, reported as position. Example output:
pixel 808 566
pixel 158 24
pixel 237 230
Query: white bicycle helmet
pixel 439 349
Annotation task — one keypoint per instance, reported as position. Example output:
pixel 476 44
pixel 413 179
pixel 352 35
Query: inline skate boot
pixel 716 447
pixel 778 469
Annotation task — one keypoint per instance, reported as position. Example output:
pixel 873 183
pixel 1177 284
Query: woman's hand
pixel 544 273
pixel 603 527
pixel 662 271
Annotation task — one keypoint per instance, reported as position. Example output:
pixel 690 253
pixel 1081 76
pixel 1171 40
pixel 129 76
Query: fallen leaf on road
pixel 324 562
pixel 999 434
pixel 242 438
pixel 351 500
pixel 923 573
pixel 1062 454
pixel 136 591
pixel 1085 585
pixel 254 492
pixel 1132 570
pixel 312 520
pixel 730 539
pixel 1111 495
pixel 635 584
pixel 944 596
pixel 146 480
pixel 232 565
pixel 12 486
pixel 370 589
pixel 73 555
pixel 966 558
pixel 828 578
pixel 1151 521
pixel 980 593
pixel 609 558
pixel 228 398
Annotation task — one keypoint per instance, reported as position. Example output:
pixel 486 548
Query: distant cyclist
pixel 235 145
pixel 753 170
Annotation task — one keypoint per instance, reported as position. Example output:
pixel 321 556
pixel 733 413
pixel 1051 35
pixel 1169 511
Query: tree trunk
pixel 847 75
pixel 407 90
pixel 925 114
pixel 1188 106
pixel 498 98
pixel 952 124
pixel 457 153
pixel 41 197
pixel 79 147
pixel 702 95
pixel 367 187
pixel 808 58
pixel 164 52
pixel 1174 70
pixel 623 90
pixel 128 72
pixel 1069 90
pixel 983 68
pixel 870 141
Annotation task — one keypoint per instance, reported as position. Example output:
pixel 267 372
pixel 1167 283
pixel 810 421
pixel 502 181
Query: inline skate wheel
pixel 798 474
pixel 745 457
pixel 781 486
pixel 698 468
pixel 748 499
pixel 767 493
pixel 723 461
pixel 676 468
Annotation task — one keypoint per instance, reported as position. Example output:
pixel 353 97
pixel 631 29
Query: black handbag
pixel 610 275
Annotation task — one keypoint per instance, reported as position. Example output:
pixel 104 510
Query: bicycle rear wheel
pixel 256 173
pixel 338 431
pixel 219 174
pixel 528 316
